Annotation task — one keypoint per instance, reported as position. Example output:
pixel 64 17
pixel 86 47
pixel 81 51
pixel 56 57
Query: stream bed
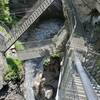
pixel 45 30
pixel 31 68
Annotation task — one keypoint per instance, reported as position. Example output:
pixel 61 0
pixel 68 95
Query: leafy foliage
pixel 55 55
pixel 2 29
pixel 46 62
pixel 19 46
pixel 14 70
pixel 4 11
pixel 53 58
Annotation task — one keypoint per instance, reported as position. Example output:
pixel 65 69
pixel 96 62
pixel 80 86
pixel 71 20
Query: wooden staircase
pixel 28 20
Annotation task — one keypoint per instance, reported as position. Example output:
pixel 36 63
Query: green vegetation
pixel 14 71
pixel 98 63
pixel 46 62
pixel 3 30
pixel 4 12
pixel 19 46
pixel 55 55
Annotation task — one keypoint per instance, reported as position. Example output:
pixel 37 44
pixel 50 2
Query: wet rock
pixel 11 91
pixel 36 83
pixel 47 92
pixel 46 83
pixel 4 92
pixel 14 96
pixel 12 86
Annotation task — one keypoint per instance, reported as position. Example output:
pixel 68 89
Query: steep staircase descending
pixel 71 86
pixel 74 84
pixel 25 23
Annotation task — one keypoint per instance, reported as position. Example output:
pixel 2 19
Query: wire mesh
pixel 92 66
pixel 71 87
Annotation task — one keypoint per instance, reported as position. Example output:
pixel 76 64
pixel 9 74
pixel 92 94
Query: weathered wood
pixel 26 22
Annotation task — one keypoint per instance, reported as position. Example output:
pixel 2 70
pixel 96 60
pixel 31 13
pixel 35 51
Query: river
pixel 31 69
pixel 45 30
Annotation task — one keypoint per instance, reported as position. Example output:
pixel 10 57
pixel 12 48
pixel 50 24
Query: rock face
pixel 55 7
pixel 93 4
pixel 98 5
pixel 84 7
pixel 90 17
pixel 11 91
pixel 14 96
pixel 45 84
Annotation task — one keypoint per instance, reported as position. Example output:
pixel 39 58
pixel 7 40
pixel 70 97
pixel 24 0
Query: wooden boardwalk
pixel 25 23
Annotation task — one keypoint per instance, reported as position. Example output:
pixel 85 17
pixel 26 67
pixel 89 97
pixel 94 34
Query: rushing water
pixel 29 73
pixel 45 30
pixel 48 29
pixel 31 68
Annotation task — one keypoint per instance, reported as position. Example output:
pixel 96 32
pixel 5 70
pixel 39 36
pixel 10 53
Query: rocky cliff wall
pixel 85 7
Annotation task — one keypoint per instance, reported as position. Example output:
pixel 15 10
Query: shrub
pixel 55 55
pixel 46 62
pixel 5 12
pixel 19 46
pixel 4 31
pixel 14 70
